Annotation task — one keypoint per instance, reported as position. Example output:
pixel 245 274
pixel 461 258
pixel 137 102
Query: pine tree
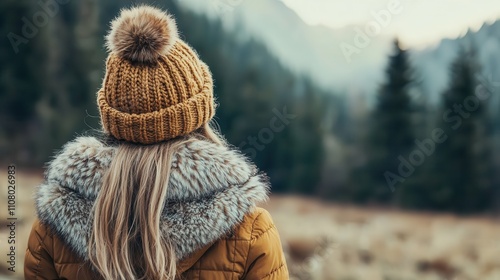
pixel 305 142
pixel 22 73
pixel 391 132
pixel 253 89
pixel 462 166
pixel 73 76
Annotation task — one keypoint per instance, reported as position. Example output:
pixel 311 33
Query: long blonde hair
pixel 126 240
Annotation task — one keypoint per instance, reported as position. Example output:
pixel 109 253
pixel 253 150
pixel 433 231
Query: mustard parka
pixel 210 215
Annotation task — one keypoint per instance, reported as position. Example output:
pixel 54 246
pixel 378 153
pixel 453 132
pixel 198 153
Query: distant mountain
pixel 316 50
pixel 305 49
pixel 433 63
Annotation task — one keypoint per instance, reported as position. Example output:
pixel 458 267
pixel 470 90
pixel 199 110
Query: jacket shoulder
pixel 38 262
pixel 254 224
pixel 264 258
pixel 48 257
pixel 40 234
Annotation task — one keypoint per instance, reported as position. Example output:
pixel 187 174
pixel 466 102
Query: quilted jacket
pixel 210 214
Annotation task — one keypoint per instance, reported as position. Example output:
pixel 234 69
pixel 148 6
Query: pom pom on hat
pixel 142 34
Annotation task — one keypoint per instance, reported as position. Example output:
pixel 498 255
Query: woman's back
pixel 161 195
pixel 253 251
pixel 210 214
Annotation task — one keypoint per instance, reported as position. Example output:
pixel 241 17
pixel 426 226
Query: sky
pixel 417 23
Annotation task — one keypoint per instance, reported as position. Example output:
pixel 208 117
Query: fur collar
pixel 211 188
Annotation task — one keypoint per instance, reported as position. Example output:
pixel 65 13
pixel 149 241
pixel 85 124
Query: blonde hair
pixel 126 240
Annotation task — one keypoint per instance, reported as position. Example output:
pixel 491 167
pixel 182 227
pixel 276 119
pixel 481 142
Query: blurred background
pixel 377 121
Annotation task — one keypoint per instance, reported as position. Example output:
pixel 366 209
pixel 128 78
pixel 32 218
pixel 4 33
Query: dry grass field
pixel 328 241
pixel 25 214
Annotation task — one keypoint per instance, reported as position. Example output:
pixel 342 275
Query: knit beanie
pixel 155 88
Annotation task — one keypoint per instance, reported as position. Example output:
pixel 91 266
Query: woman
pixel 161 196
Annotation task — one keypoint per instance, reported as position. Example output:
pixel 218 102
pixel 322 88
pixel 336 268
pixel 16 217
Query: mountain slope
pixel 315 50
pixel 433 63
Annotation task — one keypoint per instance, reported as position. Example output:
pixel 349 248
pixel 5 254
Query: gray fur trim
pixel 211 188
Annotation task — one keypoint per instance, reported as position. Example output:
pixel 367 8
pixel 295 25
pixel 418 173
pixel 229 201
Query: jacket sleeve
pixel 265 257
pixel 38 262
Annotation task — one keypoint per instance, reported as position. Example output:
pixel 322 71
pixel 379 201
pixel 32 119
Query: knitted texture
pixel 155 99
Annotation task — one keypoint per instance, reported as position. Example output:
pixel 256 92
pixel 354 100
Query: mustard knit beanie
pixel 155 88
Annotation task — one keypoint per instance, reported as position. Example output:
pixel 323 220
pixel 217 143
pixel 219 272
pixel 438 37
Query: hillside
pixel 289 38
pixel 305 49
pixel 432 63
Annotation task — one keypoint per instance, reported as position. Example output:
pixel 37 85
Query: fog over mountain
pixel 433 63
pixel 317 50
